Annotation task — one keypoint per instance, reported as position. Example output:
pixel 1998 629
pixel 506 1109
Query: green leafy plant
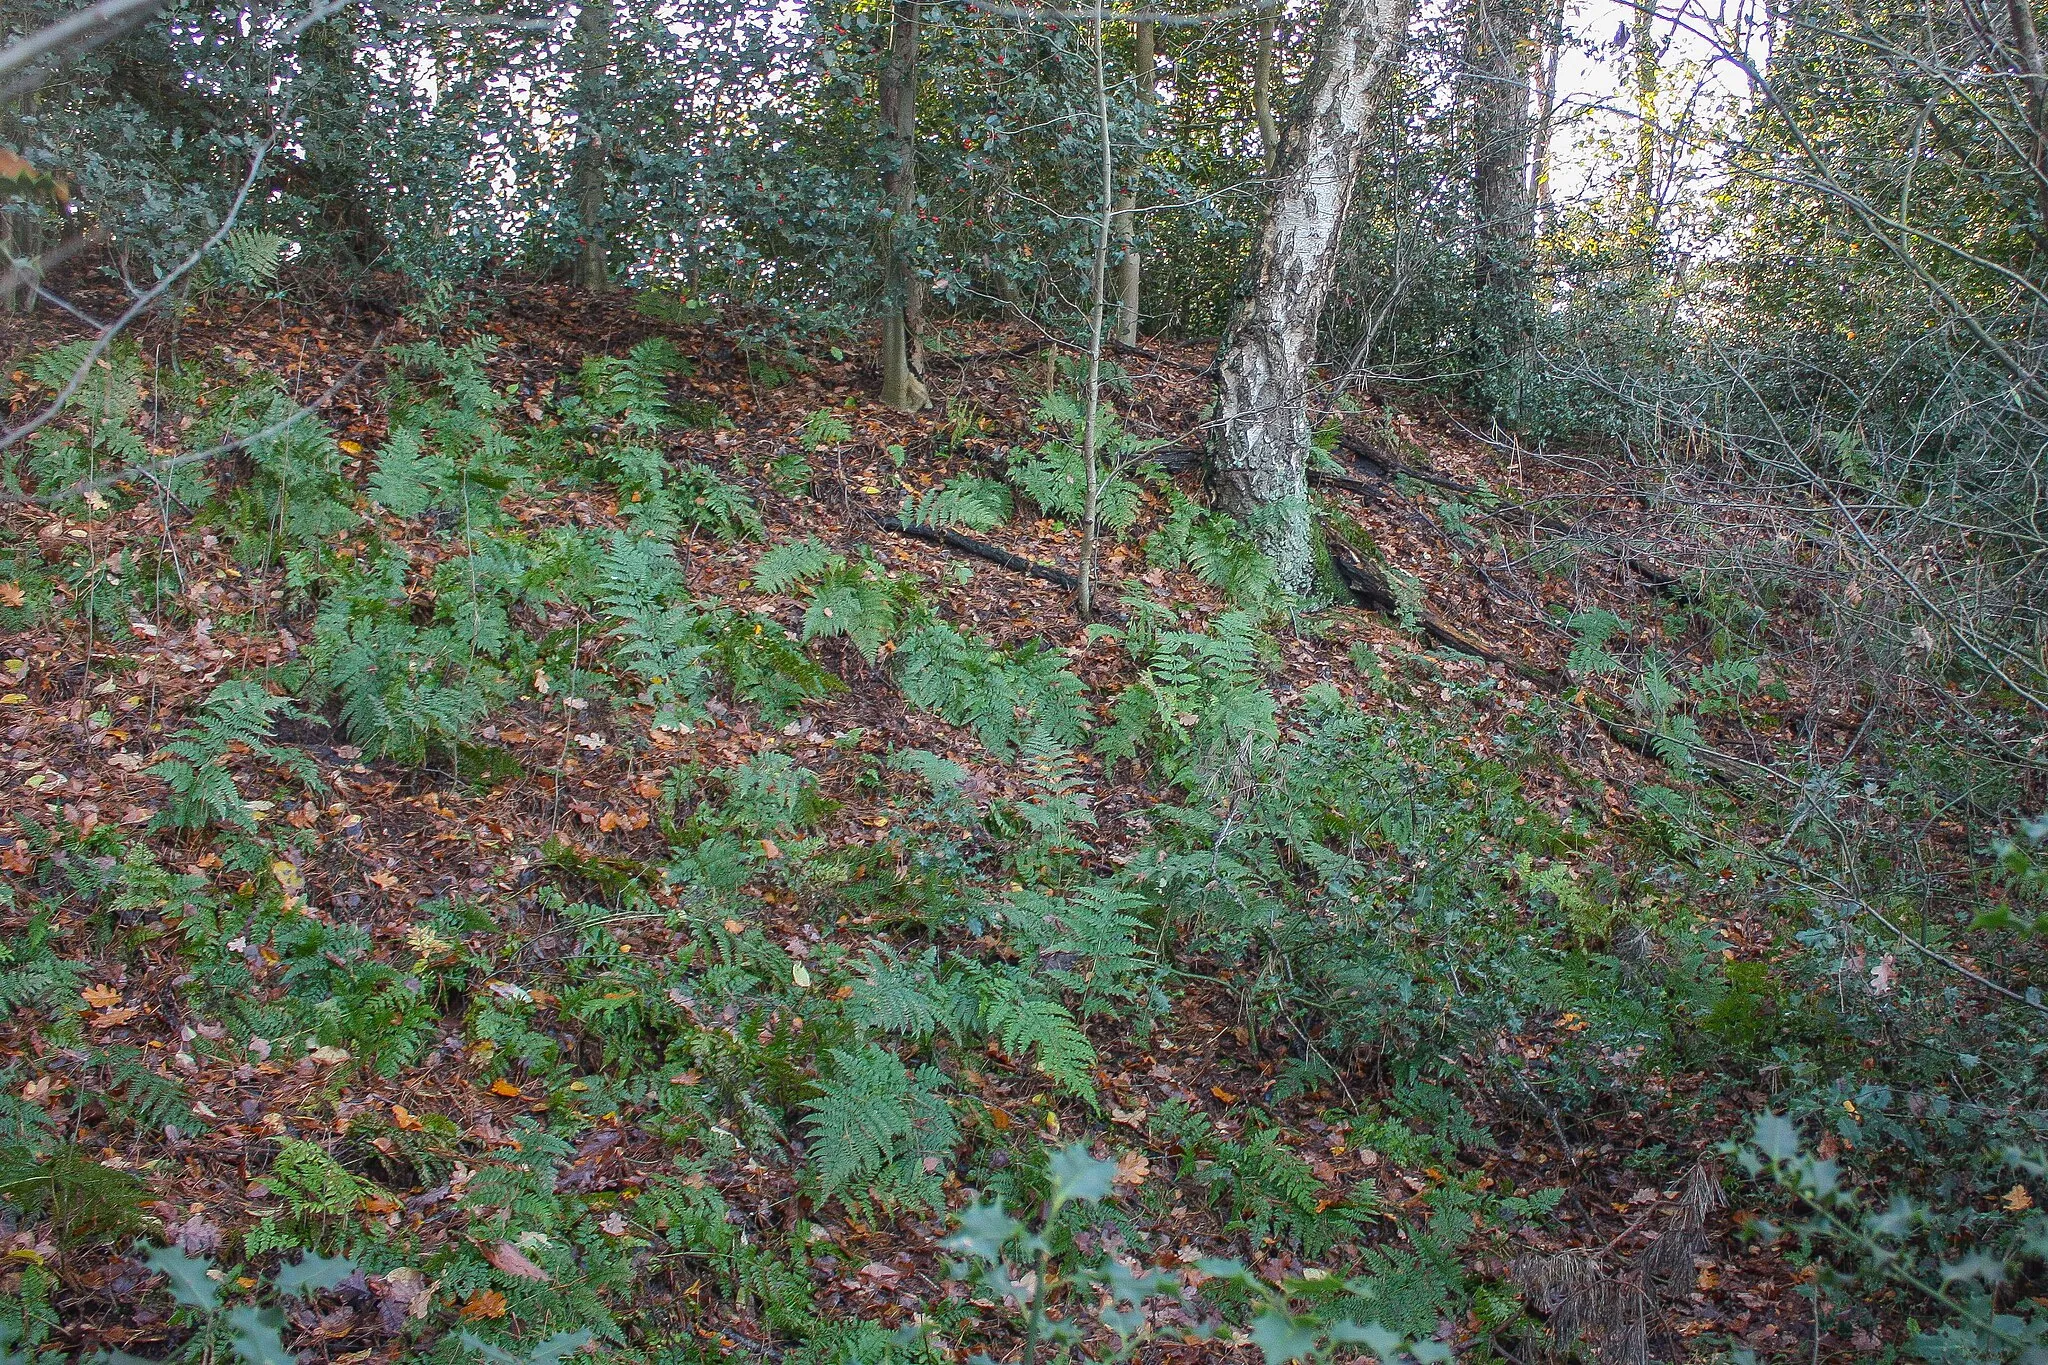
pixel 880 1128
pixel 237 716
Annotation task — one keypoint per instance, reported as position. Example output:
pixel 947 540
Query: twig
pixel 154 468
pixel 141 304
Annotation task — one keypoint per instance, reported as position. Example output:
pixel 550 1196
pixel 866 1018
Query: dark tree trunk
pixel 1500 60
pixel 902 296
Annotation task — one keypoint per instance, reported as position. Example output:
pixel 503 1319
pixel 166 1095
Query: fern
pixel 87 1201
pixel 1274 1194
pixel 238 714
pixel 145 1096
pixel 786 566
pixel 1217 549
pixel 1589 655
pixel 1005 697
pixel 708 503
pixel 1086 942
pixel 1025 1024
pixel 312 1183
pixel 857 598
pixel 409 478
pixel 633 389
pixel 402 689
pixel 1055 476
pixel 643 593
pixel 251 257
pixel 764 666
pixel 980 504
pixel 898 995
pixel 824 428
pixel 876 1123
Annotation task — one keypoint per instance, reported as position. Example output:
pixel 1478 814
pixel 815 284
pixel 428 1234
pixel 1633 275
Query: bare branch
pixel 136 309
pixel 70 30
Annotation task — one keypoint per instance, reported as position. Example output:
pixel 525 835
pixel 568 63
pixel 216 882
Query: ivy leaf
pixel 187 1280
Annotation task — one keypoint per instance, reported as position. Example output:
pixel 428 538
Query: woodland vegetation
pixel 881 683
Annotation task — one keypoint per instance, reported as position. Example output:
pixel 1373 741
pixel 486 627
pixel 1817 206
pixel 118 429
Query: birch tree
pixel 1263 433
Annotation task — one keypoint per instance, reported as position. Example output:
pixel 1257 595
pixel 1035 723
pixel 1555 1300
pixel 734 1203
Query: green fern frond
pixel 979 504
pixel 786 566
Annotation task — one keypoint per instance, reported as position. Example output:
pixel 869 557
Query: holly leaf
pixel 259 1336
pixel 984 1229
pixel 1077 1175
pixel 185 1277
pixel 1283 1336
pixel 560 1347
pixel 312 1274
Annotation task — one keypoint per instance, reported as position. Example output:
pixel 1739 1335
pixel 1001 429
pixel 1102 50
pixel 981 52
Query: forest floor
pixel 576 801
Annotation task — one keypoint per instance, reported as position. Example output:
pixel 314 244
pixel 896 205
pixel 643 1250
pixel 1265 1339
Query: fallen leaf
pixel 501 1086
pixel 11 595
pixel 100 996
pixel 1224 1095
pixel 485 1303
pixel 2017 1199
pixel 1132 1168
pixel 109 1018
pixel 512 1261
pixel 769 850
pixel 403 1117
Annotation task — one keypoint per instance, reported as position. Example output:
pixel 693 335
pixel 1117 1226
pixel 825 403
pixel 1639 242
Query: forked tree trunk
pixel 902 302
pixel 594 42
pixel 1130 268
pixel 1262 438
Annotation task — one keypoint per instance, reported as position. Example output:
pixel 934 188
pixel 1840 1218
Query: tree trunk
pixel 1262 439
pixel 594 41
pixel 1262 95
pixel 902 300
pixel 2034 69
pixel 1546 112
pixel 1129 268
pixel 1500 47
pixel 1645 53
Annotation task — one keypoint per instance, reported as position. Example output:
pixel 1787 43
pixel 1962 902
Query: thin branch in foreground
pixel 154 468
pixel 141 305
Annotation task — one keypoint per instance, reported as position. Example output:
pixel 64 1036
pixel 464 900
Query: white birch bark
pixel 1262 443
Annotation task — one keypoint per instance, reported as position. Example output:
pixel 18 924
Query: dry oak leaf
pixel 404 1119
pixel 100 996
pixel 485 1303
pixel 2017 1200
pixel 512 1261
pixel 11 595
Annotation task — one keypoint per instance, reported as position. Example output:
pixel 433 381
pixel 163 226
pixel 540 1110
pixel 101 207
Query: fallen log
pixel 997 555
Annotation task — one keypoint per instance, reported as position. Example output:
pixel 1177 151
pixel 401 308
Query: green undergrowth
pixel 1369 883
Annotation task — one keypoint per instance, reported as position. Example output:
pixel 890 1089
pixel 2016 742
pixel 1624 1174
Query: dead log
pixel 994 554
